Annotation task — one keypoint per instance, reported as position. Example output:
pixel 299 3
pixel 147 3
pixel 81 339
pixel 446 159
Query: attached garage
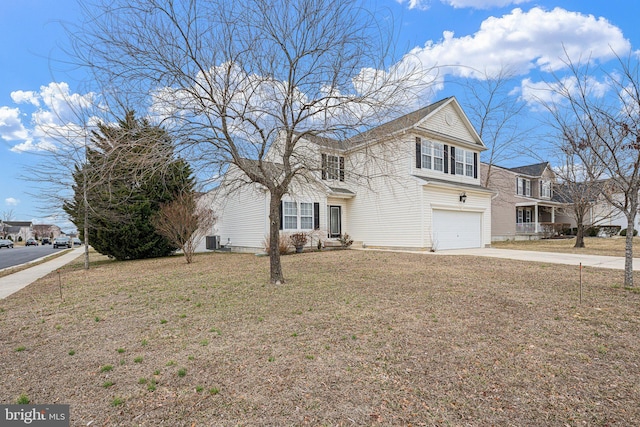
pixel 456 229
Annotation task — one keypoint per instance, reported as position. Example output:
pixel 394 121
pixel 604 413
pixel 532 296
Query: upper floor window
pixel 523 186
pixel 433 155
pixel 545 189
pixel 464 162
pixel 332 167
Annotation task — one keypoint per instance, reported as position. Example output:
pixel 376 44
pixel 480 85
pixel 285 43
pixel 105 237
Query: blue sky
pixel 484 34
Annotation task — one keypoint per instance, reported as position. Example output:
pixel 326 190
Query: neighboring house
pixel 16 230
pixel 600 212
pixel 523 206
pixel 45 230
pixel 413 182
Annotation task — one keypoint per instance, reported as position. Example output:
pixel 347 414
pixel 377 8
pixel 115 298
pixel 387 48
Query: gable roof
pixel 531 170
pixel 399 124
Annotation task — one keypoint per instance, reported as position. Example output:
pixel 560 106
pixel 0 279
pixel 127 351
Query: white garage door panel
pixel 457 230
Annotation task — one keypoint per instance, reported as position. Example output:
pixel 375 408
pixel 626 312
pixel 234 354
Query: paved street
pixel 21 254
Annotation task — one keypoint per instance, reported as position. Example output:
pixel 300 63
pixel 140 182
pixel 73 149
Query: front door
pixel 335 221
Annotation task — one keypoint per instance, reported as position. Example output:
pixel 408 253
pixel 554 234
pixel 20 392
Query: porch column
pixel 536 216
pixel 553 214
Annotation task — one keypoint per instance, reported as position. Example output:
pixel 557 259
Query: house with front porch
pixel 412 182
pixel 523 207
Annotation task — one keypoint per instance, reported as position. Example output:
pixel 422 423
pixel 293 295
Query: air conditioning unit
pixel 213 243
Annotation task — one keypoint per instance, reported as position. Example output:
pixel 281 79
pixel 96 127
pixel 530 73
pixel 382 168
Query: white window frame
pixel 523 187
pixel 545 189
pixel 333 167
pixel 298 212
pixel 468 163
pixel 289 216
pixel 306 215
pixel 525 216
pixel 464 162
pixel 432 156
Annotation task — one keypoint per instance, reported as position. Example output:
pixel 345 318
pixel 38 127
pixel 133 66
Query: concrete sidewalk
pixel 598 261
pixel 16 281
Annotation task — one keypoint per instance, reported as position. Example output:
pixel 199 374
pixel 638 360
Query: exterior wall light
pixel 463 197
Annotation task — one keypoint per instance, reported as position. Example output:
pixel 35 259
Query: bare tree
pixel 184 222
pixel 245 84
pixel 602 128
pixel 496 115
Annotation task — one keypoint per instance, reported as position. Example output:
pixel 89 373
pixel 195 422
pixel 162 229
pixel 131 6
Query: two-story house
pixel 523 206
pixel 413 182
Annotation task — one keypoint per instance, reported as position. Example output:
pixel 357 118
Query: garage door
pixel 456 229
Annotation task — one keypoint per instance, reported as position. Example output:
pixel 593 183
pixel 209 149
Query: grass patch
pixel 351 338
pixel 611 246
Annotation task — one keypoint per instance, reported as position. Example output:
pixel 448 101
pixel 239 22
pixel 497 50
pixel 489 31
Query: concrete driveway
pixel 598 261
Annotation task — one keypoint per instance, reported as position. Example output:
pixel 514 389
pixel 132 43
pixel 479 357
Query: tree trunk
pixel 628 254
pixel 276 276
pixel 579 235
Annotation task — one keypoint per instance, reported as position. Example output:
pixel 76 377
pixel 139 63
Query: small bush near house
pixel 19 238
pixel 623 232
pixel 284 244
pixel 345 240
pixel 593 231
pixel 298 239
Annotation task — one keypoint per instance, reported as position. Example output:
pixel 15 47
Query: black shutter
pixel 446 158
pixel 418 153
pixel 341 168
pixel 281 216
pixel 316 216
pixel 324 166
pixel 475 165
pixel 453 160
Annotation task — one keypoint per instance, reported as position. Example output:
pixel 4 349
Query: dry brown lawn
pixel 353 338
pixel 613 246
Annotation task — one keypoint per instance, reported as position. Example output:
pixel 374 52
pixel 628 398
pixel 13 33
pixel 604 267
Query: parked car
pixel 5 243
pixel 61 242
pixel 76 241
pixel 46 241
pixel 31 242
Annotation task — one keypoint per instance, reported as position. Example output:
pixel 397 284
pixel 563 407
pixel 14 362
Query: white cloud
pixel 52 122
pixel 416 4
pixel 523 41
pixel 11 127
pixel 539 94
pixel 22 97
pixel 11 201
pixel 482 4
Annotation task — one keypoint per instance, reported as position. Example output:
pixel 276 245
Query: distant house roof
pixel 531 170
pixel 19 223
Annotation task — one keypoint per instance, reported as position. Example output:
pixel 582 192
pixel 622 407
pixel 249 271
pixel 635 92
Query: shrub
pixel 593 231
pixel 284 244
pixel 623 232
pixel 298 239
pixel 345 240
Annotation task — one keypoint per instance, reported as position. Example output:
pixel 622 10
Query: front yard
pixel 353 338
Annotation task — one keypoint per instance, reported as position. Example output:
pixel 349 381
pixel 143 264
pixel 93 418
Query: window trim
pixel 432 154
pixel 525 188
pixel 332 167
pixel 545 189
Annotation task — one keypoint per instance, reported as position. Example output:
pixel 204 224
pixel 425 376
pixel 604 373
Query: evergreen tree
pixel 130 171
